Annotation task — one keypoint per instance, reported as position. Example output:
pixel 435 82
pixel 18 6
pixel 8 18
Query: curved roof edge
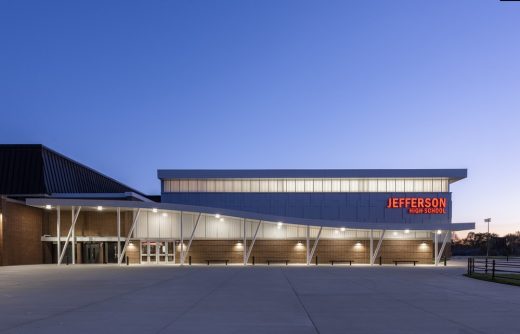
pixel 452 174
pixel 41 202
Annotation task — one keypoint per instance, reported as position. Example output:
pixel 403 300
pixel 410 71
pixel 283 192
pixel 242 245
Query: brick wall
pixel 264 250
pixel 133 252
pixel 89 223
pixel 202 250
pixel 295 251
pixel 21 231
pixel 396 250
pixel 341 250
pixel 1 231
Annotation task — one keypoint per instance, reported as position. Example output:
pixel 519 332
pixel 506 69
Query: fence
pixel 505 268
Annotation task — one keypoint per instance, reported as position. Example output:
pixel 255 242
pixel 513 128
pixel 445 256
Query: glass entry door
pixel 157 252
pixel 161 252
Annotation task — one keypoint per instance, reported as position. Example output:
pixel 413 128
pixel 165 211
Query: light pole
pixel 487 220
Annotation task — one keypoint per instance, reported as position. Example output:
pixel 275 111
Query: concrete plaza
pixel 260 299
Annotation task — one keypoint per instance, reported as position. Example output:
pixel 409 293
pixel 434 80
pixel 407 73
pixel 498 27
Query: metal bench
pixel 277 261
pixel 405 261
pixel 217 261
pixel 341 261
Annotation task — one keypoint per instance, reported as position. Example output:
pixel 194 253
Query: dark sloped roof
pixel 36 169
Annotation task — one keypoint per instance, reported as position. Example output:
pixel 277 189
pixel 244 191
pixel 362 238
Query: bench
pixel 406 261
pixel 217 261
pixel 277 261
pixel 341 261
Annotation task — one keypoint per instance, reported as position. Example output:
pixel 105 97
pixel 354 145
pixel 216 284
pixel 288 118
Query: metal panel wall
pixel 349 207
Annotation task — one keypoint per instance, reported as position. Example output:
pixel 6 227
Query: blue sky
pixel 129 87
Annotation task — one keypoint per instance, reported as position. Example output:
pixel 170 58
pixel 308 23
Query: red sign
pixel 418 205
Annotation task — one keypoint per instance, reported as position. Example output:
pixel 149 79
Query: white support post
pixel 118 234
pixel 371 246
pixel 191 239
pixel 436 246
pixel 378 247
pixel 132 228
pixel 253 242
pixel 308 248
pixel 58 232
pixel 244 245
pixel 442 247
pixel 174 251
pixel 309 259
pixel 74 219
pixel 181 254
pixel 73 238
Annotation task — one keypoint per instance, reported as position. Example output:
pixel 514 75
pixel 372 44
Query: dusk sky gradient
pixel 129 87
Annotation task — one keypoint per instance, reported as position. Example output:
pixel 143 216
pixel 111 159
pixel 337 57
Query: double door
pixel 92 252
pixel 157 252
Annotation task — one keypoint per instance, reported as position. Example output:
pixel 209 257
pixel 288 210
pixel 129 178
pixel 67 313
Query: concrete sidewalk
pixel 276 299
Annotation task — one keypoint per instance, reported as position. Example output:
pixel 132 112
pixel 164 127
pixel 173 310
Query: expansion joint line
pixel 300 301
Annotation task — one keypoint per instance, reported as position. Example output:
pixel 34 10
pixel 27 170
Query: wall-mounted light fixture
pixel 439 231
pixel 164 214
pixel 407 231
pixel 358 243
pixel 217 216
pixel 342 229
pixel 279 225
pixel 99 208
pixel 154 210
pixel 48 207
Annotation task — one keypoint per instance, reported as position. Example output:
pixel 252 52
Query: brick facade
pixel 133 252
pixel 295 251
pixel 21 231
pixel 90 223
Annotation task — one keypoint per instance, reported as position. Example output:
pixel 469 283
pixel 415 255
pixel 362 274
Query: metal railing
pixel 505 268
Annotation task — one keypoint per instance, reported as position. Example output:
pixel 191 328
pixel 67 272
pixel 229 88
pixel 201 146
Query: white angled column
pixel 371 247
pixel 73 236
pixel 436 246
pixel 308 243
pixel 58 232
pixel 244 246
pixel 182 244
pixel 118 235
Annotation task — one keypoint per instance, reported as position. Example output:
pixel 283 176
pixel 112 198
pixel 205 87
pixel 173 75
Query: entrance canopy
pixel 130 205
